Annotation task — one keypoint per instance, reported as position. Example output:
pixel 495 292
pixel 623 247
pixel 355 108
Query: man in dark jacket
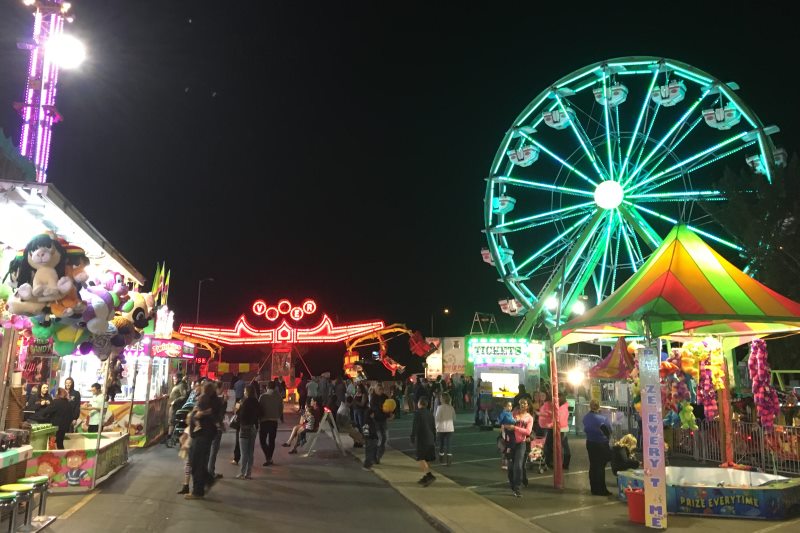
pixel 271 411
pixel 381 425
pixel 423 435
pixel 218 413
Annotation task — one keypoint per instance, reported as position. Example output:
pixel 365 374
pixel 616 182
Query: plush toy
pixel 41 273
pixel 667 368
pixel 68 336
pixel 99 310
pixel 75 270
pixel 764 396
pixel 688 420
pixel 706 394
pixel 125 330
pixel 136 310
pixel 43 331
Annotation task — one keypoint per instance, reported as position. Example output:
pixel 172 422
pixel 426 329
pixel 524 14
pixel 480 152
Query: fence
pixel 777 452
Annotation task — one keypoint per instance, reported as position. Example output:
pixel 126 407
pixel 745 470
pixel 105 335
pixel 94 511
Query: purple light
pixel 38 111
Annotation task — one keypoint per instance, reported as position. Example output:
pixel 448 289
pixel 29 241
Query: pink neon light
pixel 272 313
pixel 259 307
pixel 284 306
pixel 243 333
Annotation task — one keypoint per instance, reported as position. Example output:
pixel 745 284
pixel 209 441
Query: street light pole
pixel 199 287
pixel 445 311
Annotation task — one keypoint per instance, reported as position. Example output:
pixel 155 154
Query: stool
pixel 24 495
pixel 40 486
pixel 8 502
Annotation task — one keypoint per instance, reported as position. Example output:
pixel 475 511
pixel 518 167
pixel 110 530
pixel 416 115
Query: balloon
pixel 389 406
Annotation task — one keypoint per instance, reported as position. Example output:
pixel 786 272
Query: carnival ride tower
pixel 50 49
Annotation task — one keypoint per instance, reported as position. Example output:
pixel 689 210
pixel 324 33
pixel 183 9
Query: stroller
pixel 179 424
pixel 536 455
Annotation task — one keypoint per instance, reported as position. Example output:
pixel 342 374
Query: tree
pixel 766 219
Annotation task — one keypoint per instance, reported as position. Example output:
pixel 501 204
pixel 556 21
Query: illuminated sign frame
pixel 512 351
pixel 244 334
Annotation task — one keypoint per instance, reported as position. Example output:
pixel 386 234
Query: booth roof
pixel 686 289
pixel 32 208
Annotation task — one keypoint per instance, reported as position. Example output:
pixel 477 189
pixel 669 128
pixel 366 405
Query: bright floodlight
pixel 575 377
pixel 579 307
pixel 608 195
pixel 28 2
pixel 67 51
pixel 551 303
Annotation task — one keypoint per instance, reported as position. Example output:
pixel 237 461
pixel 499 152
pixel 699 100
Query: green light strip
pixel 723 156
pixel 616 259
pixel 671 148
pixel 724 90
pixel 672 130
pixel 764 161
pixel 544 149
pixel 628 244
pixel 693 228
pixel 606 97
pixel 632 64
pixel 542 215
pixel 639 122
pixel 576 78
pixel 552 242
pixel 538 185
pixel 684 194
pixel 689 160
pixel 572 126
pixel 697 78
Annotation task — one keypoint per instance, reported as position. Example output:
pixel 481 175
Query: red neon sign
pixel 243 333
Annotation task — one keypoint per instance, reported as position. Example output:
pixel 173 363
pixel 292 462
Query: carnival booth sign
pixel 655 477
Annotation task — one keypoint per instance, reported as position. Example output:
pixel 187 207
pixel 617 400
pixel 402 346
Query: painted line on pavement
pixel 477 460
pixel 77 507
pixel 505 482
pixel 576 509
pixel 456 446
pixel 777 526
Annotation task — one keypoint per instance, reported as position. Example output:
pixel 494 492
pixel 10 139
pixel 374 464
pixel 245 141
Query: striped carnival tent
pixel 616 365
pixel 686 289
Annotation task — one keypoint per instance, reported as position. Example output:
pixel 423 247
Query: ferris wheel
pixel 599 166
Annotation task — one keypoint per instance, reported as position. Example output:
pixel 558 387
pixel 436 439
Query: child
pixel 506 436
pixel 370 432
pixel 423 434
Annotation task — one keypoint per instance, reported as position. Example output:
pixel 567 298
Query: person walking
pixel 381 419
pixel 563 428
pixel 445 427
pixel 522 428
pixel 370 432
pixel 177 397
pixel 218 413
pixel 360 405
pixel 423 436
pixel 249 415
pixel 271 410
pixel 598 430
pixel 203 429
pixel 312 390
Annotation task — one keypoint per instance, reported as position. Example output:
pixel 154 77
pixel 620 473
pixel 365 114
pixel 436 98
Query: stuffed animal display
pixel 764 396
pixel 51 298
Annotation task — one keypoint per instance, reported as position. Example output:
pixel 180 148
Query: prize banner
pixel 655 476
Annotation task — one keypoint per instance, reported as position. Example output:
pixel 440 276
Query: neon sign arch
pixel 285 332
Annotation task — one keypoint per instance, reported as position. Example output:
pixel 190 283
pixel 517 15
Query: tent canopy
pixel 686 289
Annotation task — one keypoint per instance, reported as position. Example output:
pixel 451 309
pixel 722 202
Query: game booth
pixel 691 305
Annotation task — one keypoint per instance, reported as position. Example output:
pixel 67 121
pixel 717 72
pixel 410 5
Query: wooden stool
pixel 40 486
pixel 8 502
pixel 24 495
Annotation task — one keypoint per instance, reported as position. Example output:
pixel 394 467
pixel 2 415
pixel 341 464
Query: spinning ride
pixel 380 338
pixel 599 166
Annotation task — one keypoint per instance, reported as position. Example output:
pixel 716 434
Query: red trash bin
pixel 635 505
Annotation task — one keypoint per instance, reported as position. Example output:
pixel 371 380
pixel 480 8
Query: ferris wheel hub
pixel 608 195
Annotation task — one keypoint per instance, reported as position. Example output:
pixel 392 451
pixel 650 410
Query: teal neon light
pixel 557 158
pixel 539 185
pixel 606 98
pixel 574 128
pixel 552 242
pixel 645 103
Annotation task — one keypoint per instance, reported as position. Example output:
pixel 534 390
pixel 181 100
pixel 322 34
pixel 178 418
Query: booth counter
pixel 81 465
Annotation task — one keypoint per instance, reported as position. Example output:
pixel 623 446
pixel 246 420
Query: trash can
pixel 635 505
pixel 41 434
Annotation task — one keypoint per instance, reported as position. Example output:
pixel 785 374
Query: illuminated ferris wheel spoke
pixel 640 166
pixel 549 258
pixel 642 227
pixel 615 266
pixel 557 158
pixel 560 217
pixel 683 163
pixel 697 230
pixel 606 99
pixel 530 184
pixel 683 196
pixel 583 142
pixel 673 146
pixel 645 105
pixel 610 228
pixel 553 242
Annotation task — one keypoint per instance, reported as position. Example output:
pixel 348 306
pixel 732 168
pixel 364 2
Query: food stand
pixel 140 409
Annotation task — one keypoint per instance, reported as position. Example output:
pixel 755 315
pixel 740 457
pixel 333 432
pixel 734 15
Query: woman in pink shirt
pixel 522 428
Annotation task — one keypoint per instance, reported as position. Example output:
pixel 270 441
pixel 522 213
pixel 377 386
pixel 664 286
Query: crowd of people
pixel 363 411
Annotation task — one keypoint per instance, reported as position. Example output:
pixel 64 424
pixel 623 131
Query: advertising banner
pixel 454 356
pixel 655 478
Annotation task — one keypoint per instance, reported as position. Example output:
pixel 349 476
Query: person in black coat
pixel 423 435
pixel 59 413
pixel 74 399
pixel 622 454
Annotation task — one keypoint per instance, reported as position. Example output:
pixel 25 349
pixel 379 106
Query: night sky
pixel 338 150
